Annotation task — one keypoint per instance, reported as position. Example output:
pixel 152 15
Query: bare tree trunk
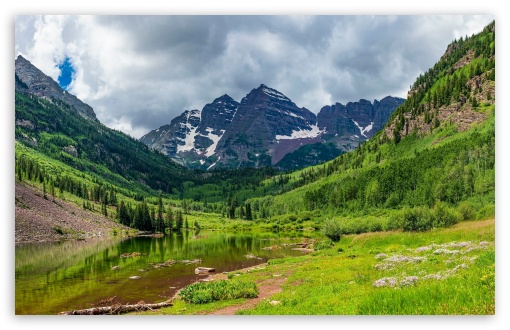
pixel 117 309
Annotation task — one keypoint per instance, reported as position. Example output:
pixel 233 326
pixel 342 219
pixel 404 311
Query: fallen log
pixel 117 309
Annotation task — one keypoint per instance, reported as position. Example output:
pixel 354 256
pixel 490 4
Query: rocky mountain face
pixel 265 127
pixel 193 136
pixel 31 80
pixel 346 125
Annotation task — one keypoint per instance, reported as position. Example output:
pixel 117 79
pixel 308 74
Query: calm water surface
pixel 56 277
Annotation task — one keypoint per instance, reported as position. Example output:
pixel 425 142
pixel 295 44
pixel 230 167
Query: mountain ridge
pixel 265 127
pixel 30 79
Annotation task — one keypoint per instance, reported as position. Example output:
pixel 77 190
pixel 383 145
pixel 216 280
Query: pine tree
pixel 123 214
pixel 19 173
pixel 178 220
pixel 44 189
pixel 169 218
pixel 52 189
pixel 160 223
pixel 249 215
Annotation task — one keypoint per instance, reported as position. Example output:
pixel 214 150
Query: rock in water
pixel 204 270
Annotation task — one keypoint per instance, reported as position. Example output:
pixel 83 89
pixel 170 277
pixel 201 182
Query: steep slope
pixel 40 219
pixel 452 92
pixel 31 80
pixel 433 164
pixel 266 127
pixel 69 133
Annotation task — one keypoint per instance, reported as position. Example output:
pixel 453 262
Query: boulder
pixel 204 270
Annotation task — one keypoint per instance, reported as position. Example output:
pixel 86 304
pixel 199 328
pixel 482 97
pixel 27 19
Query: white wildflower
pixel 386 281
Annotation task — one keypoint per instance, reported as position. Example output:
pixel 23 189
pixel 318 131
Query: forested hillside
pixel 431 166
pixel 52 128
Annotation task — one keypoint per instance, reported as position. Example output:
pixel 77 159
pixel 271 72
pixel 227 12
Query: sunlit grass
pixel 444 271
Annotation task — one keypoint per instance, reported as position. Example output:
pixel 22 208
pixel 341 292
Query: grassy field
pixel 442 272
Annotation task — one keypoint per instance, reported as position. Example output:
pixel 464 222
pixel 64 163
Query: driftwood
pixel 117 309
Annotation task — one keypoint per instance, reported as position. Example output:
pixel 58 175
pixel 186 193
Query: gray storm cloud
pixel 139 72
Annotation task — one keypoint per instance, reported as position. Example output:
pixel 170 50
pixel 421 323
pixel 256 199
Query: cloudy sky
pixel 139 72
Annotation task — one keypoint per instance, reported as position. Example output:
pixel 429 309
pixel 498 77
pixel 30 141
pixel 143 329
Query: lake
pixel 55 277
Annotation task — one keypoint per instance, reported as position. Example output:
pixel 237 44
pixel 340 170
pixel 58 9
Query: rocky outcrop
pixel 31 80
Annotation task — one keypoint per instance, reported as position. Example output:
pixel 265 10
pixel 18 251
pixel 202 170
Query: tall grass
pixel 206 292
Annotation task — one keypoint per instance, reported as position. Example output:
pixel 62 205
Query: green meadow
pixel 448 271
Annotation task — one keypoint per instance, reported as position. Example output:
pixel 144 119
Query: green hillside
pixel 54 129
pixel 432 165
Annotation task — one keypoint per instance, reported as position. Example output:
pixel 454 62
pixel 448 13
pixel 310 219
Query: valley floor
pixel 445 271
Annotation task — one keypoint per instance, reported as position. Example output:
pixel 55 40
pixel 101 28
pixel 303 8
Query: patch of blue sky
pixel 66 73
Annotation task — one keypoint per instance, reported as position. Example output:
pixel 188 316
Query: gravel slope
pixel 39 219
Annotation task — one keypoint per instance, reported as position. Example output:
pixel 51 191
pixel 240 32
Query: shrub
pixel 206 292
pixel 485 212
pixel 444 216
pixel 417 219
pixel 58 230
pixel 332 229
pixel 396 220
pixel 322 244
pixel 466 211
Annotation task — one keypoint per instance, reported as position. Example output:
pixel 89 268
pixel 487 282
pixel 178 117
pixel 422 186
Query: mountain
pixel 431 165
pixel 194 132
pixel 266 127
pixel 31 80
pixel 355 121
pixel 54 124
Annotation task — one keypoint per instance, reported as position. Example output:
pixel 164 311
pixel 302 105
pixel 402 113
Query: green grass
pixel 341 280
pixel 206 292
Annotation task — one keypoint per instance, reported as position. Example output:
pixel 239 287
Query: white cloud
pixel 140 72
pixel 48 49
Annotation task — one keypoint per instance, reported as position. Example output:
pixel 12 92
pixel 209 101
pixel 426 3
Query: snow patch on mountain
pixel 363 130
pixel 189 140
pixel 215 139
pixel 293 115
pixel 313 132
pixel 368 128
pixel 214 163
pixel 274 94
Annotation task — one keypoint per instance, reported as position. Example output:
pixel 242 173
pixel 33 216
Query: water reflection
pixel 73 275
